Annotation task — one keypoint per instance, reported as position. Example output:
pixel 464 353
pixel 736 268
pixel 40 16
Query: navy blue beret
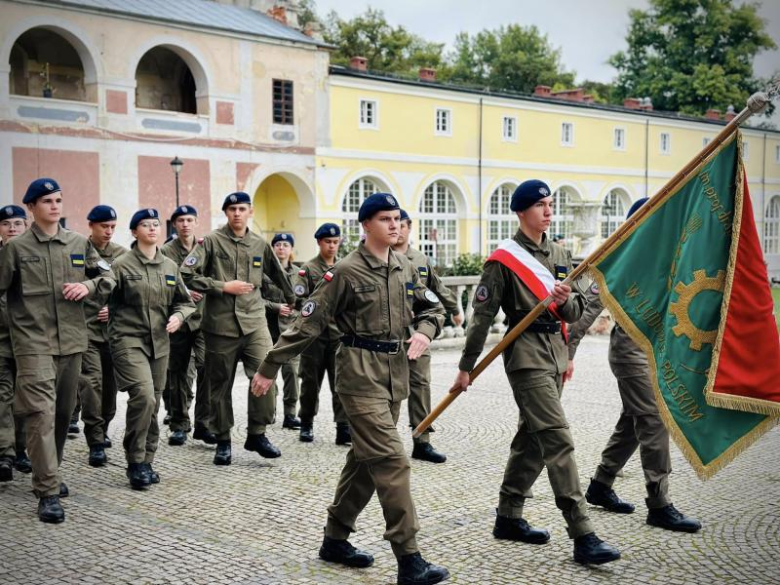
pixel 637 204
pixel 235 199
pixel 12 211
pixel 184 210
pixel 405 216
pixel 375 203
pixel 141 215
pixel 528 193
pixel 327 230
pixel 283 238
pixel 40 188
pixel 101 213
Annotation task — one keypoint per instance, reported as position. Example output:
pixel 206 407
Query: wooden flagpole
pixel 756 103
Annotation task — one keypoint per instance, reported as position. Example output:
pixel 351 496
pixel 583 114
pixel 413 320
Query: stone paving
pixel 260 521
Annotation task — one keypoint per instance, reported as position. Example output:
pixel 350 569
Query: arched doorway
pixel 164 81
pixel 277 205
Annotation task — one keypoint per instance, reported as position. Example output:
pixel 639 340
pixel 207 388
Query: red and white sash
pixel 532 273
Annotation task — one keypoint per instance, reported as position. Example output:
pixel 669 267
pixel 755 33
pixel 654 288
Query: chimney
pixel 730 114
pixel 427 74
pixel 279 13
pixel 358 63
pixel 573 95
pixel 632 103
pixel 542 90
pixel 712 114
pixel 646 105
pixel 587 98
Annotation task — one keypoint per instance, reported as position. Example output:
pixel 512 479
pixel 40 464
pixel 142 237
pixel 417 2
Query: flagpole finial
pixel 758 102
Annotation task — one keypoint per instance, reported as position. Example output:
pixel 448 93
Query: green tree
pixel 512 57
pixel 691 55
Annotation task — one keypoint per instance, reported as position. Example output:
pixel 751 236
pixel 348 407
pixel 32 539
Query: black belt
pixel 391 347
pixel 539 327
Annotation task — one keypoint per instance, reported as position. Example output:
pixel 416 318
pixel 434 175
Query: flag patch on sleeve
pixel 328 276
pixel 77 260
pixel 170 280
pixel 409 289
pixel 257 261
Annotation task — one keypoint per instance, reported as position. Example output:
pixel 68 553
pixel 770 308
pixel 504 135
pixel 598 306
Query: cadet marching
pixel 81 317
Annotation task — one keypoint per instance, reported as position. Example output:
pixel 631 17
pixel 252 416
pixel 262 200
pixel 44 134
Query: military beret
pixel 283 238
pixel 12 211
pixel 528 193
pixel 327 230
pixel 235 199
pixel 637 204
pixel 141 215
pixel 405 216
pixel 40 188
pixel 375 203
pixel 184 210
pixel 101 213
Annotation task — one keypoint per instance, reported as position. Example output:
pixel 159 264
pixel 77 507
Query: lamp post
pixel 176 165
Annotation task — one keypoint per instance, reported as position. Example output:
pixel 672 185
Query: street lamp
pixel 176 165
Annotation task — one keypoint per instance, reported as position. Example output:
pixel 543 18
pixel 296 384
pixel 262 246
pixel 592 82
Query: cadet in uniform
pixel 97 386
pixel 376 297
pixel 13 222
pixel 188 348
pixel 149 303
pixel 280 316
pixel 420 369
pixel 45 273
pixel 535 365
pixel 639 425
pixel 320 357
pixel 228 268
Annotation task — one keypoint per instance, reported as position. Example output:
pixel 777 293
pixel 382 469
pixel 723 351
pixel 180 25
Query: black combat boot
pixel 589 549
pixel 73 427
pixel 260 444
pixel 177 438
pixel 6 470
pixel 50 510
pixel 167 419
pixel 139 478
pixel 23 463
pixel 290 422
pixel 224 453
pixel 307 432
pixel 343 434
pixel 342 552
pixel 669 518
pixel 518 529
pixel 154 477
pixel 97 455
pixel 600 494
pixel 64 491
pixel 205 435
pixel 426 452
pixel 107 444
pixel 415 570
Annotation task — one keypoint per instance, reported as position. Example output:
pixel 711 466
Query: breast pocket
pixel 35 275
pixel 75 266
pixel 167 288
pixel 136 289
pixel 408 303
pixel 255 270
pixel 225 266
pixel 368 309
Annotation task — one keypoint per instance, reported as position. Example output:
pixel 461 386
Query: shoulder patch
pixel 299 290
pixel 308 308
pixel 431 297
pixel 191 261
pixel 328 276
pixel 103 265
pixel 594 288
pixel 482 293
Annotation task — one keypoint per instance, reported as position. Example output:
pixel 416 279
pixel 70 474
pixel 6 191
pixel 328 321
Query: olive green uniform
pixel 276 325
pixel 148 292
pixel 186 361
pixel 12 436
pixel 318 358
pixel 378 301
pixel 640 424
pixel 420 369
pixel 235 327
pixel 97 385
pixel 534 364
pixel 48 335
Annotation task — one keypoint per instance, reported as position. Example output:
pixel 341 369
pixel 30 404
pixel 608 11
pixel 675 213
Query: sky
pixel 587 31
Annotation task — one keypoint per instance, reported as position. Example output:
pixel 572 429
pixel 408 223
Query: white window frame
pixel 448 117
pixel 619 144
pixel 570 142
pixel 436 218
pixel 777 153
pixel 374 124
pixel 500 216
pixel 745 149
pixel 665 150
pixel 350 205
pixel 563 216
pixel 771 238
pixel 509 136
pixel 616 200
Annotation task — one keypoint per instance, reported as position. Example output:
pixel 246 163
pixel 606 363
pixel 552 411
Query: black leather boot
pixel 107 444
pixel 23 463
pixel 670 518
pixel 177 438
pixel 154 477
pixel 224 453
pixel 64 491
pixel 415 570
pixel 600 494
pixel 260 444
pixel 73 427
pixel 97 455
pixel 307 433
pixel 589 549
pixel 290 422
pixel 50 510
pixel 426 452
pixel 139 478
pixel 342 552
pixel 343 434
pixel 205 435
pixel 6 470
pixel 519 530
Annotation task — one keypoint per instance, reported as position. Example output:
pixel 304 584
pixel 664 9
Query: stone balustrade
pixel 466 285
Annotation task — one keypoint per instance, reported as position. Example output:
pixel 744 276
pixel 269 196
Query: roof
pixel 196 13
pixel 480 91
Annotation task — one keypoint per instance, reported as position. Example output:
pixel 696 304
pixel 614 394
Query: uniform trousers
pixel 290 369
pixel 143 378
pixel 543 440
pixel 97 390
pixel 46 389
pixel 375 462
pixel 639 425
pixel 420 394
pixel 188 354
pixel 222 356
pixel 317 360
pixel 12 435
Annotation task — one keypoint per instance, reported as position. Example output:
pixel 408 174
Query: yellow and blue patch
pixel 170 280
pixel 257 261
pixel 77 260
pixel 561 272
pixel 409 289
pixel 423 272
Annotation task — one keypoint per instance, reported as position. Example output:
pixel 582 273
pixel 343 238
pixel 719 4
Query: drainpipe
pixel 763 193
pixel 479 177
pixel 647 157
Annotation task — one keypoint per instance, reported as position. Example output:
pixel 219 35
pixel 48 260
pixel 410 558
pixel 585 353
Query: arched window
pixel 613 212
pixel 502 222
pixel 563 218
pixel 353 199
pixel 772 226
pixel 438 235
pixel 165 82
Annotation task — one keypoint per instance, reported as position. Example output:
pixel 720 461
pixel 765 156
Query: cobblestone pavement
pixel 260 521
